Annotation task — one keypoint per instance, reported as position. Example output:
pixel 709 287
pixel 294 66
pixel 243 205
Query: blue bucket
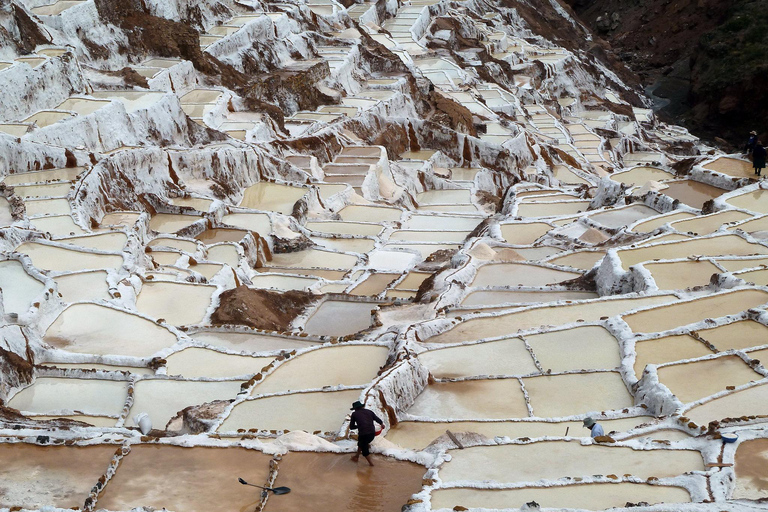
pixel 729 438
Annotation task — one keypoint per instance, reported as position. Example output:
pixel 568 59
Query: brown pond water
pixel 692 193
pixel 35 476
pixel 692 381
pixel 751 464
pixel 751 401
pixel 189 479
pixel 333 482
pixel 738 335
pixel 666 350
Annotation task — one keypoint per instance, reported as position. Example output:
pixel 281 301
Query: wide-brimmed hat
pixel 589 422
pixel 357 405
pixel 753 132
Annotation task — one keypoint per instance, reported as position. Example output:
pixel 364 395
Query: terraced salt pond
pixel 242 284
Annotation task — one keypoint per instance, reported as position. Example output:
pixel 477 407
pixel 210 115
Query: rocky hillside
pixel 704 58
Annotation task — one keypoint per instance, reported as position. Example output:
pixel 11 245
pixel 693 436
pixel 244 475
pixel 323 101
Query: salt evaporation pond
pixel 272 197
pixel 332 482
pixel 750 461
pixel 59 259
pixel 19 289
pixel 250 342
pixel 83 286
pixel 340 318
pixel 161 301
pixel 552 460
pixel 341 365
pixel 162 399
pixel 692 381
pixel 516 274
pixel 588 497
pixel 90 396
pixel 312 412
pixel 193 479
pixel 63 475
pixel 504 357
pixel 752 401
pixel 200 362
pixel 84 328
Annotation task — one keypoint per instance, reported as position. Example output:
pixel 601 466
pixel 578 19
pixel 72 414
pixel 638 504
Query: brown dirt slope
pixel 261 309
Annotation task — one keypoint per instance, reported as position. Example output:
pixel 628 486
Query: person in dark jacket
pixel 758 157
pixel 362 419
pixel 751 142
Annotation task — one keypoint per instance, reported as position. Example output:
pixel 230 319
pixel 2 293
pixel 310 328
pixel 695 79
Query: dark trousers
pixel 364 443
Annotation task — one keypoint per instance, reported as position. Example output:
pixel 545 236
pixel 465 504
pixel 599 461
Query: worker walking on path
pixel 751 142
pixel 362 419
pixel 758 157
pixel 595 428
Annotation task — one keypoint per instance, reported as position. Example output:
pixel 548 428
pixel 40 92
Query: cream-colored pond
pixel 752 201
pixel 428 236
pixel 666 350
pixel 669 317
pixel 224 253
pixel 692 381
pixel 90 396
pixel 416 435
pixel 583 260
pixel 523 233
pixel 201 362
pixel 581 348
pixel 251 342
pixel 175 243
pixel 51 190
pixel 358 245
pixel 482 399
pixel 752 226
pixel 18 288
pixel 46 207
pixel 272 197
pixel 59 259
pixel 552 460
pixel 714 246
pixel 518 274
pixel 312 412
pixel 456 196
pixel 709 223
pixel 64 174
pixel 348 365
pixel 504 357
pixel 110 242
pixel 63 475
pixel 162 399
pixel 750 464
pixel 551 209
pixel 340 318
pixel 198 203
pixel 345 228
pixel 191 479
pixel 83 286
pixel 171 222
pixel 619 217
pixel 649 225
pixel 119 219
pixel 57 225
pixel 442 222
pixel 741 335
pixel 749 402
pixel 280 282
pixel 93 329
pixel 681 274
pixel 374 284
pixel 47 117
pixel 5 213
pixel 164 300
pixel 486 327
pixel 564 395
pixel 314 258
pixel 258 222
pixel 641 175
pixel 584 496
pixel 735 167
pixel 494 297
pixel 362 213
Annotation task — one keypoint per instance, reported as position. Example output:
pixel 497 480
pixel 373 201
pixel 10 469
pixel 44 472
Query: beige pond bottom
pixel 333 482
pixel 63 476
pixel 189 479
pixel 586 496
pixel 751 470
pixel 552 460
